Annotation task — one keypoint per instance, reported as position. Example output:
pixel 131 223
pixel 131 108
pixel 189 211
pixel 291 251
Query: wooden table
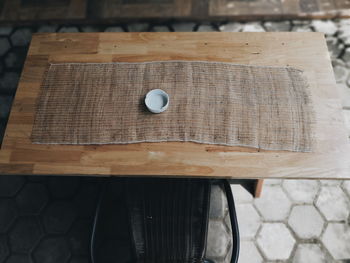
pixel 115 11
pixel 306 51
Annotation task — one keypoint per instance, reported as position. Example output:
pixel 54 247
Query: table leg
pixel 258 187
pixel 253 186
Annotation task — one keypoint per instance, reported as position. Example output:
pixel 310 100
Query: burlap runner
pixel 214 103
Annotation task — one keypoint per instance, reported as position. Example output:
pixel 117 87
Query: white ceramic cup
pixel 157 100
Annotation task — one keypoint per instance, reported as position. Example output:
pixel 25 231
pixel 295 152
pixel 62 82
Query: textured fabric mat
pixel 214 103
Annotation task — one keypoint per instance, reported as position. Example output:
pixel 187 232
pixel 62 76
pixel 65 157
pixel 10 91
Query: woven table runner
pixel 210 102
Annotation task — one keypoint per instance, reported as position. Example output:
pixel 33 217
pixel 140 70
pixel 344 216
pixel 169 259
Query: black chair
pixel 144 220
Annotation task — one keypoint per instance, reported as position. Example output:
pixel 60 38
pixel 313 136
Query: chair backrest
pixel 144 220
pixel 169 219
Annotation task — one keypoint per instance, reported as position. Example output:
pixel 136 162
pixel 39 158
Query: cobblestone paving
pixel 295 221
pixel 47 219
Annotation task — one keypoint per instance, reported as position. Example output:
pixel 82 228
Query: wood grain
pixel 115 11
pixel 107 9
pixel 21 10
pixel 306 51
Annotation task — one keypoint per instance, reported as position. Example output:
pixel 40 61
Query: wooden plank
pixel 139 9
pixel 306 51
pixel 27 10
pixel 244 8
pixel 200 8
pixel 64 43
pixel 22 169
pixel 292 9
pixel 258 188
pixel 112 11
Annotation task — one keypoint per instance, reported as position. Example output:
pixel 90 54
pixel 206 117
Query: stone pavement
pixel 295 221
pixel 47 219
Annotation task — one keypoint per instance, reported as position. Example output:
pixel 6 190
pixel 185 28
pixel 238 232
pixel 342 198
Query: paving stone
pixel 138 27
pixel 249 220
pixel 21 37
pixel 8 82
pixel 8 214
pixel 301 22
pixel 340 73
pixel 183 27
pixel 114 29
pixel 331 182
pixel 25 234
pixel 69 29
pixel 338 62
pixel 240 194
pixel 273 204
pixel 275 241
pixel 336 239
pixel 14 258
pixel 231 27
pixel 327 27
pixel 90 29
pixel 5 30
pixel 346 114
pixel 15 59
pixel 333 203
pixel 85 200
pixel 253 27
pixel 344 93
pixel 272 181
pixel 348 81
pixel 52 250
pixel 344 31
pixel 47 29
pixel 227 223
pixel 249 253
pixel 218 203
pixel 63 187
pixel 309 253
pixel 32 198
pixel 346 187
pixel 10 185
pixel 306 221
pixel 301 28
pixel 335 48
pixel 206 28
pixel 160 28
pixel 346 55
pixel 219 242
pixel 301 191
pixel 4 250
pixel 277 26
pixel 4 46
pixel 59 217
pixel 5 106
pixel 79 237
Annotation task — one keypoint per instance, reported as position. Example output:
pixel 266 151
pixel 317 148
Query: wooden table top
pixel 306 51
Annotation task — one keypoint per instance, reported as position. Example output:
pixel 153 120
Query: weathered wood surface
pixel 112 11
pixel 18 11
pixel 306 51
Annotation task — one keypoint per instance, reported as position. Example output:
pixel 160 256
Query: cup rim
pixel 156 92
